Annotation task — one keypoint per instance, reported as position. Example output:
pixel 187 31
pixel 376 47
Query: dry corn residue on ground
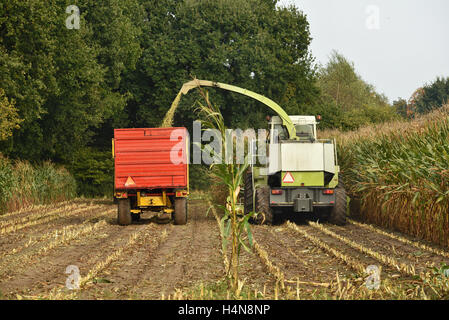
pixel 147 260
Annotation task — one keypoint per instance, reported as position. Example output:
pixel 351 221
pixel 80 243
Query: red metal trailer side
pixel 144 155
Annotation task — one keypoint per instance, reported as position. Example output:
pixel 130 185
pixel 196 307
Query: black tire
pixel 262 203
pixel 124 212
pixel 265 215
pixel 135 216
pixel 248 193
pixel 338 212
pixel 180 214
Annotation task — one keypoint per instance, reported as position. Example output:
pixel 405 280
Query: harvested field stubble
pixel 148 260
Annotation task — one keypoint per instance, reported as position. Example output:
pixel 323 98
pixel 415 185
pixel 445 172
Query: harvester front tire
pixel 338 212
pixel 180 214
pixel 124 212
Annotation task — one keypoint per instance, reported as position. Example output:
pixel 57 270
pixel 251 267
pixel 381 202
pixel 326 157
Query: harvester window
pixel 304 131
pixel 280 132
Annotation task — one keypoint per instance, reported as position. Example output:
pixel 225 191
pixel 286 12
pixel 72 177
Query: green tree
pixel 401 107
pixel 9 118
pixel 66 83
pixel 347 101
pixel 27 66
pixel 433 95
pixel 250 44
pixel 127 61
pixel 339 81
pixel 105 47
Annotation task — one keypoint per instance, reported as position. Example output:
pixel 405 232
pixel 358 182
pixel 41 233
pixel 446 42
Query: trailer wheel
pixel 338 212
pixel 135 216
pixel 124 212
pixel 180 214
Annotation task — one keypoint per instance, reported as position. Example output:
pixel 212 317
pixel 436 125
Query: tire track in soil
pixel 189 254
pixel 168 257
pixel 31 210
pixel 48 271
pixel 406 239
pixel 392 271
pixel 402 252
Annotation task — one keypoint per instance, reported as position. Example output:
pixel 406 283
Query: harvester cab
pixel 305 128
pixel 301 175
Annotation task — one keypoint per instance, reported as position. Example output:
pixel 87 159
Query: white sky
pixel 409 49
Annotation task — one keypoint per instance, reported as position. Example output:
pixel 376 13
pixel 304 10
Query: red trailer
pixel 151 172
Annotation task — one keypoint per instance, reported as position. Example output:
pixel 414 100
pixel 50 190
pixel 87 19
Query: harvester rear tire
pixel 180 214
pixel 248 193
pixel 265 215
pixel 338 212
pixel 124 212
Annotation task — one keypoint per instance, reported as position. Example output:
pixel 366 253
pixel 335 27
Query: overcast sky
pixel 396 45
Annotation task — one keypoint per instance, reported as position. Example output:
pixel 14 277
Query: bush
pixel 94 172
pixel 199 177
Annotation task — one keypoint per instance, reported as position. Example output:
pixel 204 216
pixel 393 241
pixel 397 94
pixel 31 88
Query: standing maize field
pixel 399 172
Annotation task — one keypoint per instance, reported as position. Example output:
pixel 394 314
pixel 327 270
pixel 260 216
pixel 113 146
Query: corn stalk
pixel 235 229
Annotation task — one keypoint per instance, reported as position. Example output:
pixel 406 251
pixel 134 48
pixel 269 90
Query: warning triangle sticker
pixel 129 182
pixel 288 178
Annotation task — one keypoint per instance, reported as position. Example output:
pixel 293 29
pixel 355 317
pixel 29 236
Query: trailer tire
pixel 180 214
pixel 338 212
pixel 124 212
